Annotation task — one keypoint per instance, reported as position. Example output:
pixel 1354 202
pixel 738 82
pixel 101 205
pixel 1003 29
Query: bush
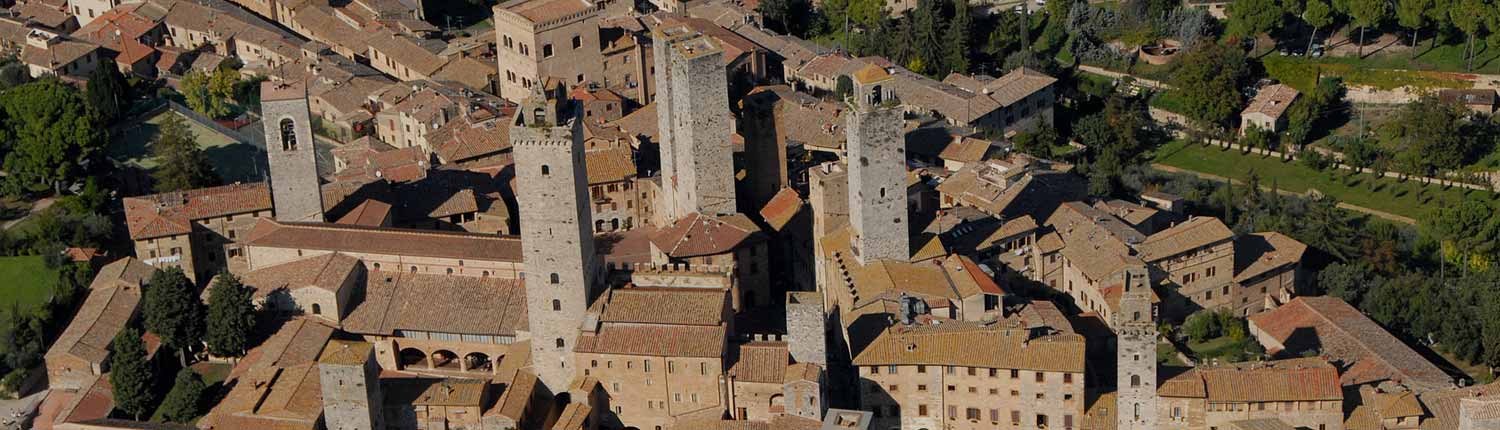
pixel 183 402
pixel 1202 326
pixel 12 381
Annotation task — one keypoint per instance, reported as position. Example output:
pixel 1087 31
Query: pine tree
pixel 231 316
pixel 106 92
pixel 956 46
pixel 927 22
pixel 173 312
pixel 183 166
pixel 129 374
pixel 183 402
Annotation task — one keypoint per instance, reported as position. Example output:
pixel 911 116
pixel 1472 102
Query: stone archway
pixel 478 362
pixel 445 360
pixel 412 357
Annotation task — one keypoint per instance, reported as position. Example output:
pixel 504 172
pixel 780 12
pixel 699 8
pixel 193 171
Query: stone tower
pixel 805 330
pixel 557 242
pixel 295 193
pixel 351 386
pixel 877 170
pixel 693 103
pixel 1135 346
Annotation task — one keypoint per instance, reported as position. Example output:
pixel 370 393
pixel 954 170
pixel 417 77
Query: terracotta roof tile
pixel 610 165
pixel 762 362
pixel 326 272
pixel 655 340
pixel 688 306
pixel 697 234
pixel 781 208
pixel 172 213
pixel 969 344
pixel 1196 232
pixel 388 241
pixel 1272 100
pixel 1258 253
pixel 427 302
pixel 112 300
pixel 1342 333
pixel 1302 379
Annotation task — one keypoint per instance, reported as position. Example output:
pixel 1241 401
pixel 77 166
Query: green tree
pixel 1465 230
pixel 231 316
pixel 956 42
pixel 129 374
pixel 1317 14
pixel 183 403
pixel 1251 18
pixel 1259 138
pixel 210 94
pixel 49 135
pixel 1202 326
pixel 1348 281
pixel 181 164
pixel 22 339
pixel 1429 134
pixel 927 22
pixel 172 311
pixel 1366 14
pixel 1038 143
pixel 1208 77
pixel 14 74
pixel 1300 118
pixel 1413 15
pixel 107 92
pixel 1468 17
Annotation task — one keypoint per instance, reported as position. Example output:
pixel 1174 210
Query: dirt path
pixel 1361 209
pixel 36 208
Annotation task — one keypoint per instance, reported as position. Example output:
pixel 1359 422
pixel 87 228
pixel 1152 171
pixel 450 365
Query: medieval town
pixel 749 215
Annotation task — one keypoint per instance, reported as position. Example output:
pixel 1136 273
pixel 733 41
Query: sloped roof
pixel 172 213
pixel 1299 379
pixel 1258 253
pixel 385 241
pixel 1341 332
pixel 762 362
pixel 656 340
pixel 1272 101
pixel 610 165
pixel 326 272
pixel 112 300
pixel 1196 232
pixel 428 302
pixel 675 306
pixel 697 234
pixel 975 345
pixel 781 208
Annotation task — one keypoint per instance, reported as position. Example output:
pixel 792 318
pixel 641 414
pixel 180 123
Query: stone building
pixel 321 286
pixel 1339 333
pixel 1303 393
pixel 614 197
pixel 289 150
pixel 81 352
pixel 1135 353
pixel 877 171
pixel 195 230
pixel 695 123
pixel 553 39
pixel 732 242
pixel 348 377
pixel 1197 258
pixel 972 375
pixel 556 228
pixel 1267 110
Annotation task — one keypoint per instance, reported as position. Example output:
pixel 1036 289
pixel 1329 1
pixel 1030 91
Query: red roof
pixel 697 234
pixel 1342 333
pixel 172 213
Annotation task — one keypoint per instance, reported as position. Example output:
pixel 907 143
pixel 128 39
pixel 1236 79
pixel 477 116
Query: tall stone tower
pixel 693 102
pixel 295 193
pixel 351 386
pixel 1135 346
pixel 806 329
pixel 877 170
pixel 556 237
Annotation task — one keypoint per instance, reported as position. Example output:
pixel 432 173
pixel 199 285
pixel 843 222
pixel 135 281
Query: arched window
pixel 559 342
pixel 555 279
pixel 546 170
pixel 556 305
pixel 377 267
pixel 413 269
pixel 450 270
pixel 882 192
pixel 1135 380
pixel 288 134
pixel 614 224
pixel 317 310
pixel 484 274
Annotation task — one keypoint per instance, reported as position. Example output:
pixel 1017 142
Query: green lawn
pixel 1409 199
pixel 1166 354
pixel 133 147
pixel 28 282
pixel 1223 348
pixel 1444 58
pixel 1302 74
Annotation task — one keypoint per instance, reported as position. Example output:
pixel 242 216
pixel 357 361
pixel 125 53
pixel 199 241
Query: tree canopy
pixel 48 137
pixel 231 316
pixel 172 310
pixel 181 164
pixel 1209 77
pixel 130 374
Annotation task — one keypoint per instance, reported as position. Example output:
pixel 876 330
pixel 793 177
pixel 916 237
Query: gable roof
pixel 1259 253
pixel 326 272
pixel 428 302
pixel 957 343
pixel 112 300
pixel 385 241
pixel 1341 332
pixel 697 234
pixel 173 213
pixel 1196 232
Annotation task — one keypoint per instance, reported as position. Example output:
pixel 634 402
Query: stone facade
pixel 537 40
pixel 289 151
pixel 350 383
pixel 877 175
pixel 806 327
pixel 1135 334
pixel 701 153
pixel 560 262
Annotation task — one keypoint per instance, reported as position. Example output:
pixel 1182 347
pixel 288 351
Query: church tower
pixel 558 245
pixel 877 170
pixel 1135 346
pixel 695 124
pixel 295 193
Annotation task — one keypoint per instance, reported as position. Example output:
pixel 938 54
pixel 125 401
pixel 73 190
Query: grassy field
pixel 28 282
pixel 1409 199
pixel 1444 58
pixel 228 156
pixel 1166 354
pixel 1302 74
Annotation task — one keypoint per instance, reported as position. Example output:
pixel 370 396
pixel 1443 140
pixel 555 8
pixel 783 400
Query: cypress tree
pixel 231 316
pixel 129 374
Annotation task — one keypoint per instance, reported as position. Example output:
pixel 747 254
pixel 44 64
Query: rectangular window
pixel 1015 418
pixel 891 370
pixel 577 42
pixel 952 412
pixel 1067 378
pixel 972 414
pixel 921 368
pixel 1015 374
pixel 1041 377
pixel 921 410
